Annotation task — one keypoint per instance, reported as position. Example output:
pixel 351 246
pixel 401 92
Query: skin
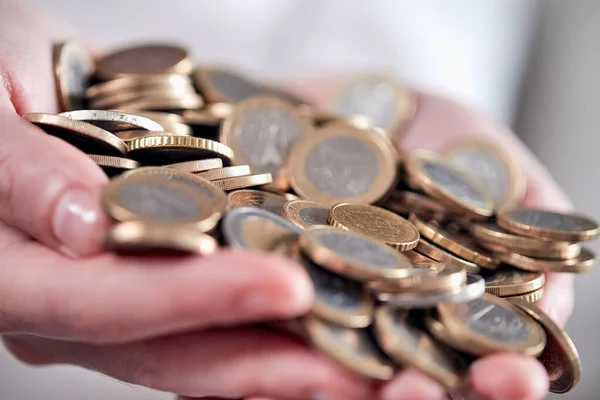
pixel 182 327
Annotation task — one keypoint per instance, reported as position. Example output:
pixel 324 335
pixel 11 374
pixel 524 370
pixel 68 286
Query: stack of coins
pixel 401 246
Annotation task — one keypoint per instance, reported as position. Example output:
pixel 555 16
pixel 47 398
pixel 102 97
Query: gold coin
pixel 197 165
pixel 128 82
pixel 571 250
pixel 419 260
pixel 438 254
pixel 406 202
pixel 317 116
pixel 145 59
pixel 136 236
pixel 491 166
pixel 201 117
pixel 305 213
pixel 378 97
pixel 510 282
pixel 272 202
pixel 548 224
pixel 226 172
pixel 168 149
pixel 130 136
pixel 114 165
pixel 375 222
pixel 560 357
pixel 163 103
pixel 456 243
pixel 241 182
pixel 583 263
pixel 73 69
pixel 487 325
pixel 262 130
pixel 404 339
pixel 353 348
pixel 530 297
pixel 353 255
pixel 126 96
pixel 86 137
pixel 429 173
pixel 218 84
pixel 425 279
pixel 342 165
pixel 113 121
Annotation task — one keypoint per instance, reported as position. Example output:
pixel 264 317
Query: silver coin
pixel 454 183
pixel 157 201
pixel 234 88
pixel 341 167
pixel 486 167
pixel 550 220
pixel 374 98
pixel 77 76
pixel 473 289
pixel 113 121
pixel 233 222
pixel 314 216
pixel 265 136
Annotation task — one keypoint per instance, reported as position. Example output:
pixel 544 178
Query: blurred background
pixel 531 64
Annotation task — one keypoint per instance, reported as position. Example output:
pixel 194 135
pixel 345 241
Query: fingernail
pixel 76 223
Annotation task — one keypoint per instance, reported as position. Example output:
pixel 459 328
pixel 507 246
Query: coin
pixel 375 222
pixel 130 136
pixel 73 69
pixel 353 255
pixel 404 339
pixel 549 224
pixel 160 150
pixel 137 94
pixel 305 213
pixel 128 82
pixel 406 202
pixel 114 165
pixel 223 85
pixel 241 182
pixel 226 172
pixel 342 164
pixel 459 244
pixel 583 263
pixel 197 165
pixel 379 97
pixel 560 357
pixel 144 59
pixel 491 166
pixel 438 254
pixel 419 260
pixel 429 173
pixel 113 121
pixel 353 348
pixel 511 282
pixel 487 325
pixel 138 236
pixel 432 279
pixel 571 250
pixel 261 131
pixel 86 137
pixel 149 199
pixel 530 297
pixel 473 288
pixel 271 202
pixel 164 103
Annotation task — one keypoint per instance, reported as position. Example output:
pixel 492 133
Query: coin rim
pixel 291 211
pixel 60 53
pixel 253 192
pixel 452 279
pixel 530 297
pixel 241 182
pixel 91 116
pixel 211 93
pixel 114 162
pixel 196 165
pixel 519 287
pixel 184 142
pixel 438 254
pixel 572 250
pixel 225 172
pixel 580 264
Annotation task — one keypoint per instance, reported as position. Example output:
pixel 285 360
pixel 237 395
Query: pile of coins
pixel 418 259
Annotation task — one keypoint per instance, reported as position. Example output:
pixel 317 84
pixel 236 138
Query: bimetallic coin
pixel 549 224
pixel 305 213
pixel 342 165
pixel 583 263
pixel 113 121
pixel 223 85
pixel 353 255
pixel 425 279
pixel 560 357
pixel 375 222
pixel 457 243
pixel 160 150
pixel 225 172
pixel 138 236
pixel 491 166
pixel 73 69
pixel 86 137
pixel 145 59
pixel 353 348
pixel 530 297
pixel 261 131
pixel 473 288
pixel 510 282
pixel 438 254
pixel 487 325
pixel 380 98
pixel 267 201
pixel 242 182
pixel 429 173
pixel 114 165
pixel 197 165
pixel 404 340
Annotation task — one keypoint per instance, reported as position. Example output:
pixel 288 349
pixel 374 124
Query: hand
pixel 127 317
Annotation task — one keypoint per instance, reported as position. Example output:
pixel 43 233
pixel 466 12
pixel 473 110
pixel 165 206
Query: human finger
pixel 412 385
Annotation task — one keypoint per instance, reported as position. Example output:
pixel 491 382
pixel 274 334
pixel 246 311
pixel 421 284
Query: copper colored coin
pixel 306 213
pixel 268 201
pixel 583 263
pixel 114 165
pixel 433 251
pixel 510 282
pixel 168 149
pixel 242 182
pixel 410 201
pixel 225 172
pixel 530 297
pixel 137 82
pixel 197 165
pixel 426 279
pixel 130 136
pixel 571 250
pixel 419 260
pixel 164 103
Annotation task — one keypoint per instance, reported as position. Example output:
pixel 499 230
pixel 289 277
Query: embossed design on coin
pixel 548 224
pixel 314 216
pixel 454 184
pixel 257 198
pixel 496 322
pixel 358 249
pixel 306 213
